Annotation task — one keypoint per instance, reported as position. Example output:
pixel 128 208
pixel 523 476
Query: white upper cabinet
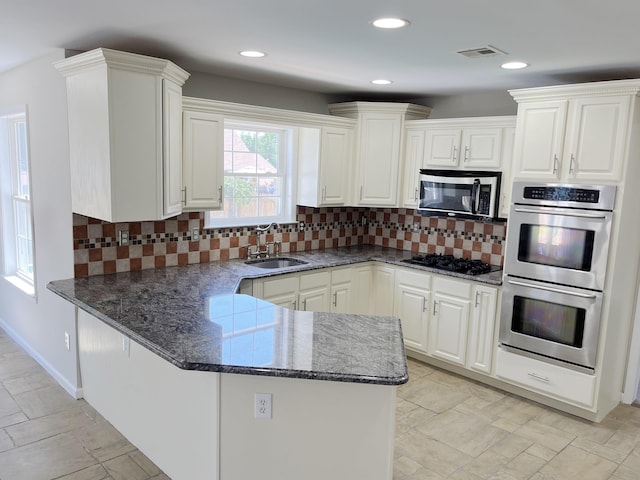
pixel 203 161
pixel 378 148
pixel 413 159
pixel 466 143
pixel 325 157
pixel 574 132
pixel 125 135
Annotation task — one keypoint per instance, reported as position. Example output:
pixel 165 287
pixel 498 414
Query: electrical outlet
pixel 124 238
pixel 195 234
pixel 263 405
pixel 416 227
pixel 67 341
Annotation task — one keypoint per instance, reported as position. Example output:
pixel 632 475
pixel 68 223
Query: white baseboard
pixel 71 389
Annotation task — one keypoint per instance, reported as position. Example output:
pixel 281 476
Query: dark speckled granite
pixel 191 316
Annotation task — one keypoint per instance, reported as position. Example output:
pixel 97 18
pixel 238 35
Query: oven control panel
pixel 562 194
pixel 586 197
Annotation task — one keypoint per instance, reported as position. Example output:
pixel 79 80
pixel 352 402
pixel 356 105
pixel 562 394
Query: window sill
pixel 22 285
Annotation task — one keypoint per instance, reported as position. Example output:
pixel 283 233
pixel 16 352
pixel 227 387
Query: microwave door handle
pixel 563 214
pixel 475 196
pixel 551 289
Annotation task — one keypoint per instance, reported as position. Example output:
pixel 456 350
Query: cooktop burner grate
pixel 452 264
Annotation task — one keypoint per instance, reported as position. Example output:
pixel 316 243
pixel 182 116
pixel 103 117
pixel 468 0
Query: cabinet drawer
pixel 341 275
pixel 280 286
pixel 314 280
pixel 554 380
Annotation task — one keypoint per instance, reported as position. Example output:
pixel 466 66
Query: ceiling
pixel 330 47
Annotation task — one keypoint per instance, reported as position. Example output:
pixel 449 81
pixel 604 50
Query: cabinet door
pixel 341 296
pixel 281 291
pixel 203 164
pixel 361 290
pixel 411 305
pixel 481 148
pixel 336 158
pixel 378 159
pixel 481 331
pixel 442 147
pixel 450 320
pixel 596 138
pixel 539 139
pixel 383 286
pixel 172 148
pixel 413 158
pixel 507 171
pixel 314 290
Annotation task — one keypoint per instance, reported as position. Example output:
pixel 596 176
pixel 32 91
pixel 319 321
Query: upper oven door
pixel 452 193
pixel 559 245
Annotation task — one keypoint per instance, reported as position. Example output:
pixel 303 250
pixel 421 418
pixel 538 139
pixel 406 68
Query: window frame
pixel 16 207
pixel 286 170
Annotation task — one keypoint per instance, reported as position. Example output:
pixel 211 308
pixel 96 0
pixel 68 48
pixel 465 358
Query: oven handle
pixel 567 214
pixel 551 289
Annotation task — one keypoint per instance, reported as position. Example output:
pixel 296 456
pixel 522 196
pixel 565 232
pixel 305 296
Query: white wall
pixel 471 105
pixel 39 324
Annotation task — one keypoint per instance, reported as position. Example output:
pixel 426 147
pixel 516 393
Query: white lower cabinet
pixel 383 286
pixel 341 290
pixel 450 320
pixel 362 277
pixel 280 290
pixel 314 291
pixel 411 304
pixel 551 380
pixel 482 324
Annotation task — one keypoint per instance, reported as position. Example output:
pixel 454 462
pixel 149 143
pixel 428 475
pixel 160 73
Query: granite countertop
pixel 192 317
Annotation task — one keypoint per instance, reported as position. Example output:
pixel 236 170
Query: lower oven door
pixel 558 322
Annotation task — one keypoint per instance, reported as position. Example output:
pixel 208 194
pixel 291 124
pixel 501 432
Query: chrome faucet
pixel 259 252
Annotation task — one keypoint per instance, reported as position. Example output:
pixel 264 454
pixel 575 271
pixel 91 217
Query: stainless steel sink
pixel 272 263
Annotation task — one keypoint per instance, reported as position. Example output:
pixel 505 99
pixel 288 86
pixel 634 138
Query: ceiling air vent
pixel 487 51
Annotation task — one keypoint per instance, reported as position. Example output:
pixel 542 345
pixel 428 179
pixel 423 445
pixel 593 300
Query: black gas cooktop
pixel 452 264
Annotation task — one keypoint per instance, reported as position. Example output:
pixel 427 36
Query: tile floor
pixel 447 428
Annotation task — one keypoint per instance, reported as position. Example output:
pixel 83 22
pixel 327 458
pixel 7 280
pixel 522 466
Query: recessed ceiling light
pixel 381 81
pixel 514 65
pixel 252 53
pixel 390 22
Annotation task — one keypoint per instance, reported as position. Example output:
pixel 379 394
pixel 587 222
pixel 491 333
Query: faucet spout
pixel 260 230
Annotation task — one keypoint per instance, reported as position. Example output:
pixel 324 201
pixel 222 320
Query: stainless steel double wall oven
pixel 555 268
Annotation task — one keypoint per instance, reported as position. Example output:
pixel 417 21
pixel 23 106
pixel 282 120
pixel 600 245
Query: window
pixel 258 186
pixel 15 186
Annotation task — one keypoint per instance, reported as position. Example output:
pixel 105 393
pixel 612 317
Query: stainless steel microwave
pixel 460 193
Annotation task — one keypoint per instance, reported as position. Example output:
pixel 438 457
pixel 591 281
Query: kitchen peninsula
pixel 331 377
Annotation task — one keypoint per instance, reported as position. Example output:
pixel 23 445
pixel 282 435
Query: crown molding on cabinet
pixel 123 61
pixel 612 87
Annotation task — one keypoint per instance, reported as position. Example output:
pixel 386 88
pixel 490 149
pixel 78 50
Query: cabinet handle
pixel 455 154
pixel 466 153
pixel 415 194
pixel 477 296
pixel 573 158
pixel 184 196
pixel 335 299
pixel 220 199
pixel 435 303
pixel 295 303
pixel 555 163
pixel 424 304
pixel 539 377
pixel 304 304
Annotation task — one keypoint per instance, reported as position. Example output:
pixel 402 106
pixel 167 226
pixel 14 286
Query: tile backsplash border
pixel 157 244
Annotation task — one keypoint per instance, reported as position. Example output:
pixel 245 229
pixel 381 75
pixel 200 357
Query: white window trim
pixel 8 265
pixel 289 155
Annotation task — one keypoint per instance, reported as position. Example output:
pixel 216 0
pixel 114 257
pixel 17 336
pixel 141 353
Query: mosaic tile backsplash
pixel 166 243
